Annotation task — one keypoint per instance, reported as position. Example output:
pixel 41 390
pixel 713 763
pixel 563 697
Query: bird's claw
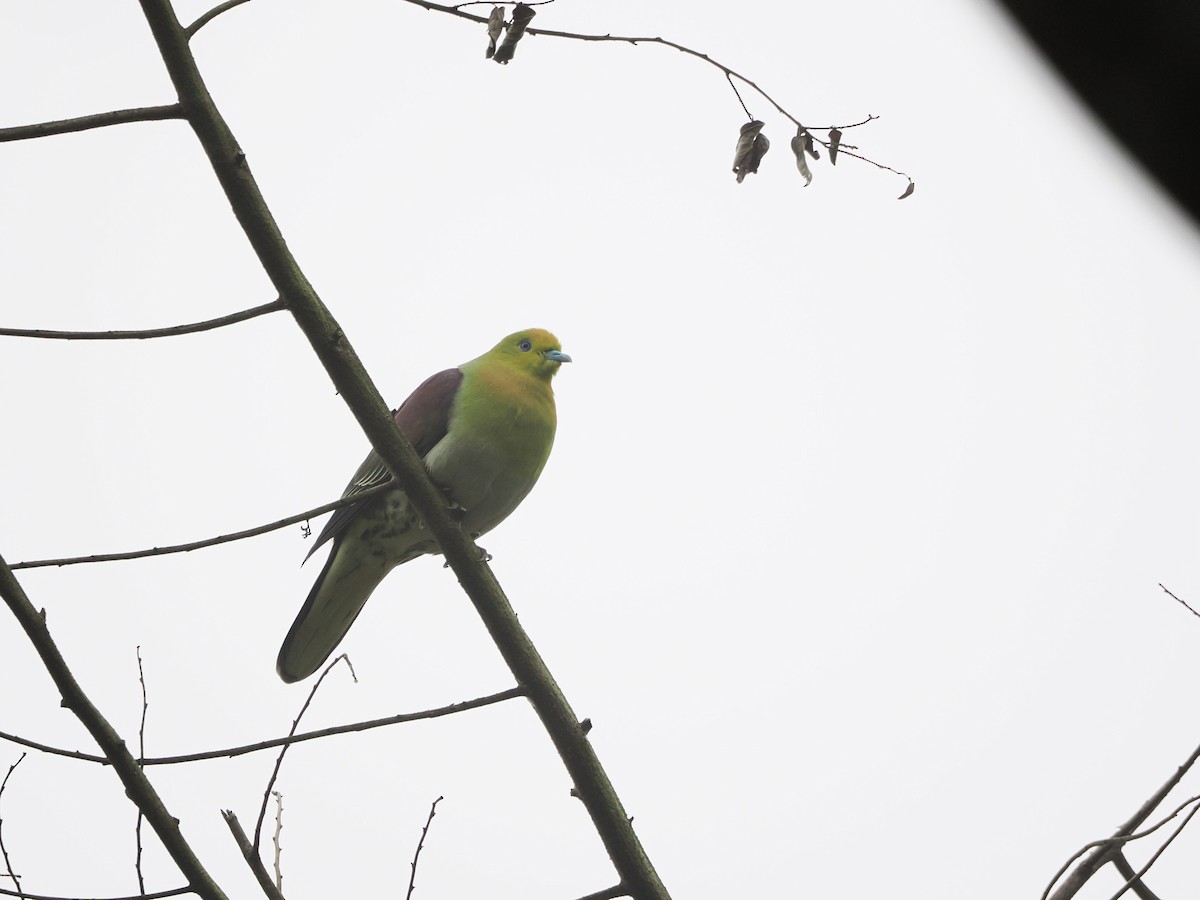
pixel 484 556
pixel 456 510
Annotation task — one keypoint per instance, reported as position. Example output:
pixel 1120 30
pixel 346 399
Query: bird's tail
pixel 333 604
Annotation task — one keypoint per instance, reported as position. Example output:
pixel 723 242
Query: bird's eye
pixel 525 345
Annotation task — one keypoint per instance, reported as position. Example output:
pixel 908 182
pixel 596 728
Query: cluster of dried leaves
pixel 752 146
pixel 521 16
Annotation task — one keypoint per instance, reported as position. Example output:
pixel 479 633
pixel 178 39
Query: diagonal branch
pixel 137 786
pixel 1131 877
pixel 1104 851
pixel 230 752
pixel 617 890
pixel 85 123
pixel 250 854
pixel 16 879
pixel 412 878
pixel 348 375
pixel 1136 878
pixel 206 542
pixel 212 14
pixel 172 331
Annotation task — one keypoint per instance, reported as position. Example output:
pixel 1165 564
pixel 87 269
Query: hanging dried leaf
pixel 801 162
pixel 745 157
pixel 835 140
pixel 809 148
pixel 757 151
pixel 912 185
pixel 495 26
pixel 521 15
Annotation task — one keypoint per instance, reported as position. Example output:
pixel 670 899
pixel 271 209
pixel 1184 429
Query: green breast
pixel 500 435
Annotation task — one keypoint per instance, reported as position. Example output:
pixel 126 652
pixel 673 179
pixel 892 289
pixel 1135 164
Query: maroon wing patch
pixel 424 419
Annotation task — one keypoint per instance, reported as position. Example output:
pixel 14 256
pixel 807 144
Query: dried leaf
pixel 757 151
pixel 801 162
pixel 751 147
pixel 912 185
pixel 808 145
pixel 521 15
pixel 495 26
pixel 835 141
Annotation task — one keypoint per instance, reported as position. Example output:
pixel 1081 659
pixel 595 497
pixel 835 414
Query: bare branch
pixel 276 840
pixel 156 895
pixel 141 755
pixel 85 123
pixel 206 542
pixel 729 74
pixel 137 786
pixel 617 890
pixel 191 30
pixel 1103 851
pixel 1183 603
pixel 172 331
pixel 230 752
pixel 251 855
pixel 1137 876
pixel 1135 884
pixel 1116 843
pixel 412 879
pixel 13 876
pixel 262 813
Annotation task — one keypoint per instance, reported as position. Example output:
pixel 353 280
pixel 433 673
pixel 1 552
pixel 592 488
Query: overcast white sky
pixel 851 540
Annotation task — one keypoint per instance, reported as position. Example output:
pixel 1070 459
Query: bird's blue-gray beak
pixel 558 356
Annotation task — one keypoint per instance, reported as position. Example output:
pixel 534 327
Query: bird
pixel 484 431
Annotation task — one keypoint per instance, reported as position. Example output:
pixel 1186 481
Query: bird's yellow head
pixel 534 350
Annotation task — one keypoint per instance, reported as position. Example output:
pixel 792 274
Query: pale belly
pixel 484 477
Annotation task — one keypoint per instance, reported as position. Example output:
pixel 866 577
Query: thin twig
pixel 16 879
pixel 745 109
pixel 84 123
pixel 191 30
pixel 230 752
pixel 276 840
pixel 1135 884
pixel 141 755
pixel 144 334
pixel 617 890
pixel 1177 599
pixel 262 813
pixel 412 879
pixel 206 542
pixel 250 854
pixel 1140 873
pixel 156 895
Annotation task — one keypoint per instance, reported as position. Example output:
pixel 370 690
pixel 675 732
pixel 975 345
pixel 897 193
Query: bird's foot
pixel 484 556
pixel 456 510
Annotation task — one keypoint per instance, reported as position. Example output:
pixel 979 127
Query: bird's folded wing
pixel 424 419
